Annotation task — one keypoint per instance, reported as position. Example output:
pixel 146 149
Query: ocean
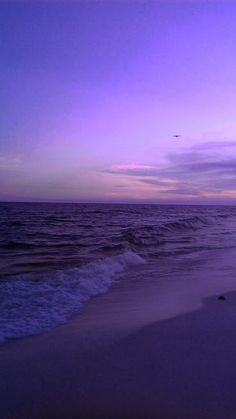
pixel 55 257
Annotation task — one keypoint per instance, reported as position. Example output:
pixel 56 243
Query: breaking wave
pixel 32 304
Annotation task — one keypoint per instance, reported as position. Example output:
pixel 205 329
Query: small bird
pixel 176 135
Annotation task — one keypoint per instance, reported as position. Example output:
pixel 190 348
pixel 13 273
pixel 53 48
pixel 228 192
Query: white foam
pixel 34 304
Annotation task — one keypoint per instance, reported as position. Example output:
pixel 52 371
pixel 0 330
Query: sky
pixel 92 93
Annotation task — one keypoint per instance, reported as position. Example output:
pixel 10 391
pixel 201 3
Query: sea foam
pixel 32 304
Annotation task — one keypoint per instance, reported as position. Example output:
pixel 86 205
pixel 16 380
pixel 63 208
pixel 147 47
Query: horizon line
pixel 200 203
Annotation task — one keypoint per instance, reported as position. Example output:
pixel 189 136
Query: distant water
pixel 55 257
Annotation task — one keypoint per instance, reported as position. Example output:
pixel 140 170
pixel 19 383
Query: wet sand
pixel 182 367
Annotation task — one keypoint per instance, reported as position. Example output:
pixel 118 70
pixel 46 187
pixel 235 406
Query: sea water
pixel 55 257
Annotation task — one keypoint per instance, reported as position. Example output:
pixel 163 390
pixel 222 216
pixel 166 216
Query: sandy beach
pixel 182 367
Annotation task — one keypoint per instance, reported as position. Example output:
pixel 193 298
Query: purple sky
pixel 93 92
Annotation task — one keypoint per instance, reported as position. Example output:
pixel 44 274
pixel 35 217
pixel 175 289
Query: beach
pixel 183 367
pixel 136 330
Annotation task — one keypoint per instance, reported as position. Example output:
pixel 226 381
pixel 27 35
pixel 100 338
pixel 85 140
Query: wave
pixel 14 244
pixel 157 234
pixel 139 237
pixel 191 223
pixel 33 304
pixel 112 247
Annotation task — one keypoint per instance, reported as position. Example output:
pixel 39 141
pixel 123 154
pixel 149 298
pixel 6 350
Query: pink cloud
pixel 130 166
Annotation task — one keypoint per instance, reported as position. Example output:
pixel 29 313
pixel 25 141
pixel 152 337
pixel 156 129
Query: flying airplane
pixel 176 135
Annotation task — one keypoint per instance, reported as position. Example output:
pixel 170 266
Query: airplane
pixel 177 136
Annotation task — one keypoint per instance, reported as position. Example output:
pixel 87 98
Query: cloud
pixel 130 166
pixel 137 170
pixel 207 169
pixel 156 182
pixel 9 162
pixel 211 145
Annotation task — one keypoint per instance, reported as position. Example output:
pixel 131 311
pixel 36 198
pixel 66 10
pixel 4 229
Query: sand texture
pixel 182 367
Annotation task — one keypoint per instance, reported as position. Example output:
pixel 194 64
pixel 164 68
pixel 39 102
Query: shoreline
pixel 175 368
